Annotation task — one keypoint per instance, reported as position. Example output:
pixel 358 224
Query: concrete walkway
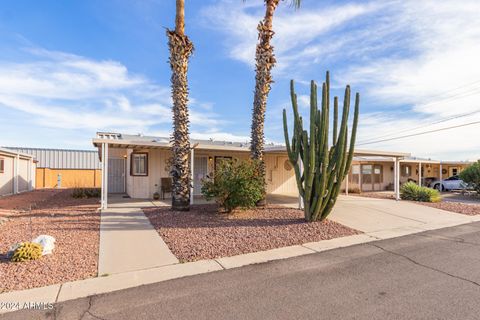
pixel 128 241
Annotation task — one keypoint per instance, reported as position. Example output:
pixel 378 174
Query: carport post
pixel 397 179
pixel 104 193
pixel 441 177
pixel 420 174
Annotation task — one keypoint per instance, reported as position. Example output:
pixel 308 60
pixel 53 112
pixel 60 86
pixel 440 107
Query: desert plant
pixel 180 50
pixel 471 175
pixel 27 251
pixel 414 192
pixel 235 184
pixel 81 193
pixel 324 167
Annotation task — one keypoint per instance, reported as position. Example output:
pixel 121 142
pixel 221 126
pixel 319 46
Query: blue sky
pixel 71 68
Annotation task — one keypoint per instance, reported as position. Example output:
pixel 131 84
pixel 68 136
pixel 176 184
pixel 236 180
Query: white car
pixel 451 183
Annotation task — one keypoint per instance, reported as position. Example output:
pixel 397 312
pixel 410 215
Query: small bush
pixel 235 184
pixel 471 175
pixel 27 251
pixel 412 191
pixel 81 193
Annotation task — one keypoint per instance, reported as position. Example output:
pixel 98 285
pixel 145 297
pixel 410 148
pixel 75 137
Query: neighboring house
pixel 63 168
pixel 136 164
pixel 17 172
pixel 377 173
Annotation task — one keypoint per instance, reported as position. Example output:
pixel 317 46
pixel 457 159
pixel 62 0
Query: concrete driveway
pixel 431 275
pixel 379 216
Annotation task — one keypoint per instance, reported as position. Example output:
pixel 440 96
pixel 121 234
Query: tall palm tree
pixel 180 50
pixel 264 62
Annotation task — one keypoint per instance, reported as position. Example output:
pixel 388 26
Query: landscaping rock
pixel 203 233
pixel 47 243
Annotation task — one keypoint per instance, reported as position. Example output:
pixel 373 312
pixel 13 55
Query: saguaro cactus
pixel 320 168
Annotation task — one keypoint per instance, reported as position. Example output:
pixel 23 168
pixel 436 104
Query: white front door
pixel 200 171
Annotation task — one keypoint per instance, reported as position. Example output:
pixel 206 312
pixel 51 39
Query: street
pixel 431 275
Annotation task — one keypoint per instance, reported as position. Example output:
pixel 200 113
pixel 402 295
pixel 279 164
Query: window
pixel 406 170
pixel 139 164
pixel 377 173
pixel 219 159
pixel 367 170
pixel 354 176
pixel 2 165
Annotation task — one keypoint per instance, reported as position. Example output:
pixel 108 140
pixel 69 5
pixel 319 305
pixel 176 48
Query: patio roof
pixel 118 140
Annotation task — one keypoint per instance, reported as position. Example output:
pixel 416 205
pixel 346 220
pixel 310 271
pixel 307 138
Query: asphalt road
pixel 432 275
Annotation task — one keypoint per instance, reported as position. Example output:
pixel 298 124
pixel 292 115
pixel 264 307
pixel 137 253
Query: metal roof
pixel 132 141
pixel 62 158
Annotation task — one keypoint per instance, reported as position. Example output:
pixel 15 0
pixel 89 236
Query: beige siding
pixel 6 178
pixel 279 180
pixel 144 187
pixel 26 175
pixel 23 175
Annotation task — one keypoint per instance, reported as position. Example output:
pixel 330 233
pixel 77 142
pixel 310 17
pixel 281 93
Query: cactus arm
pixel 354 133
pixel 335 120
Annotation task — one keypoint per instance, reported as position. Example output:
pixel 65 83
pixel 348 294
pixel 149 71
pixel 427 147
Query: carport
pixel 385 156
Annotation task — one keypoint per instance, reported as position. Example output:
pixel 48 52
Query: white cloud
pixel 295 30
pixel 65 91
pixel 414 62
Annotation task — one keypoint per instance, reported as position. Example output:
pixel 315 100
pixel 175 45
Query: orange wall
pixel 87 178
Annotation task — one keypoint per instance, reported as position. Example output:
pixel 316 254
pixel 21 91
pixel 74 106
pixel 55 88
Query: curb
pixel 99 285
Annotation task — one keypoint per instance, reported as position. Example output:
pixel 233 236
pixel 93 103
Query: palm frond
pixel 294 3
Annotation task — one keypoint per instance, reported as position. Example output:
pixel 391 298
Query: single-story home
pixel 17 172
pixel 377 173
pixel 137 165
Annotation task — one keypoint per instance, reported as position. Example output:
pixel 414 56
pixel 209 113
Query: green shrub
pixel 412 191
pixel 27 251
pixel 81 193
pixel 471 175
pixel 235 184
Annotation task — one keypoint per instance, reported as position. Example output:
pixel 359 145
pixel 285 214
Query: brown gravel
pixel 75 225
pixel 463 208
pixel 470 209
pixel 23 201
pixel 203 233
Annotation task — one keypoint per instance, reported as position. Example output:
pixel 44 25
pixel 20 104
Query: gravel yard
pixel 458 207
pixel 470 209
pixel 203 233
pixel 73 222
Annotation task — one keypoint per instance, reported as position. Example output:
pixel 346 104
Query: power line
pixel 425 125
pixel 421 133
pixel 471 91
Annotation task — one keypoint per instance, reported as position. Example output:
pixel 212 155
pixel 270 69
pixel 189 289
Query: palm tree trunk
pixel 264 62
pixel 180 50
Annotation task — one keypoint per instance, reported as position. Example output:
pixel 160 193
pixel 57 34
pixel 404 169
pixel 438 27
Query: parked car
pixel 451 183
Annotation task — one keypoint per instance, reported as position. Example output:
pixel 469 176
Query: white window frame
pixel 134 169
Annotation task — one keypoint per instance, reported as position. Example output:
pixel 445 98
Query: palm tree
pixel 264 62
pixel 180 50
